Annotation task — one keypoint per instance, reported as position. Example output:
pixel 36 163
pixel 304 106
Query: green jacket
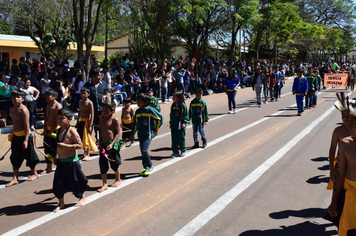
pixel 146 121
pixel 155 104
pixel 312 82
pixel 176 121
pixel 198 111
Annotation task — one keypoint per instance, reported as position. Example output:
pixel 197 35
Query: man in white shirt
pixel 107 76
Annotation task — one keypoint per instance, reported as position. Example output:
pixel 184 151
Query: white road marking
pixel 214 209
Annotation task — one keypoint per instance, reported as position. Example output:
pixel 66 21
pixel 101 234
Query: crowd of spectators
pixel 129 77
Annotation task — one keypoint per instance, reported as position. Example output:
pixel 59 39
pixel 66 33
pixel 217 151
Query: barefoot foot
pixel 60 206
pixel 103 188
pixel 46 171
pixel 86 158
pixel 131 144
pixel 81 202
pixel 12 182
pixel 123 146
pixel 32 177
pixel 116 183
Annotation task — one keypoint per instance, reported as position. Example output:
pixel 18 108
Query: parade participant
pixel 198 113
pixel 109 145
pixel 258 83
pixel 318 83
pixel 300 89
pixel 68 175
pixel 312 87
pixel 85 123
pixel 266 84
pixel 334 67
pixel 127 116
pixel 50 125
pixel 278 83
pixel 153 100
pixel 179 118
pixel 231 84
pixel 147 121
pixel 21 140
pixel 339 133
pixel 346 180
pixel 271 82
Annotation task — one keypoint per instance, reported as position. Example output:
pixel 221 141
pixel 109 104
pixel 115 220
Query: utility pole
pixel 106 37
pixel 240 44
pixel 244 48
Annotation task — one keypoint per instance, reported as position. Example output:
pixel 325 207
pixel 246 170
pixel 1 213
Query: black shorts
pixel 18 154
pixel 127 131
pixel 69 178
pixel 80 129
pixel 50 146
pixel 104 163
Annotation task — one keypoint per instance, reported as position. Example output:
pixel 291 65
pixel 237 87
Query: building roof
pixel 22 42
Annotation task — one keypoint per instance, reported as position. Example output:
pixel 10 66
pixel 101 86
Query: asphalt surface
pixel 263 173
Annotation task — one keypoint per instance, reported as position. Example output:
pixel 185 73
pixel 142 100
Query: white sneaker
pixel 230 112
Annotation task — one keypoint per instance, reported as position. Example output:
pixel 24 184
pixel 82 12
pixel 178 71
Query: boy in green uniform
pixel 178 119
pixel 147 121
pixel 153 100
pixel 312 87
pixel 198 113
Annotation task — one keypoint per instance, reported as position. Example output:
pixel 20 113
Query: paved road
pixel 264 172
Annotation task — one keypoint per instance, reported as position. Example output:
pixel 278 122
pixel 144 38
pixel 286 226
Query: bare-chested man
pixel 109 145
pixel 346 179
pixel 339 133
pixel 68 175
pixel 50 126
pixel 127 116
pixel 22 141
pixel 85 122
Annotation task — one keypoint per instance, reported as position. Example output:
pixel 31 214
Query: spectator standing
pixel 97 89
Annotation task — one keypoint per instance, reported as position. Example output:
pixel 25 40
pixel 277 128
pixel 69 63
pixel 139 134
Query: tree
pixel 44 21
pixel 152 20
pixel 328 12
pixel 278 22
pixel 86 18
pixel 240 13
pixel 197 20
pixel 118 19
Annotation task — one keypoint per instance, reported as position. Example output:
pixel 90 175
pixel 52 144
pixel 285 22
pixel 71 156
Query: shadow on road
pixel 157 158
pixel 217 114
pixel 27 209
pixel 325 167
pixel 111 176
pixel 278 116
pixel 319 159
pixel 304 213
pixel 306 229
pixel 318 180
pixel 161 149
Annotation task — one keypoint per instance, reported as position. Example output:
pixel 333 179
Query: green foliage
pixel 4 27
pixel 139 47
pixel 115 56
